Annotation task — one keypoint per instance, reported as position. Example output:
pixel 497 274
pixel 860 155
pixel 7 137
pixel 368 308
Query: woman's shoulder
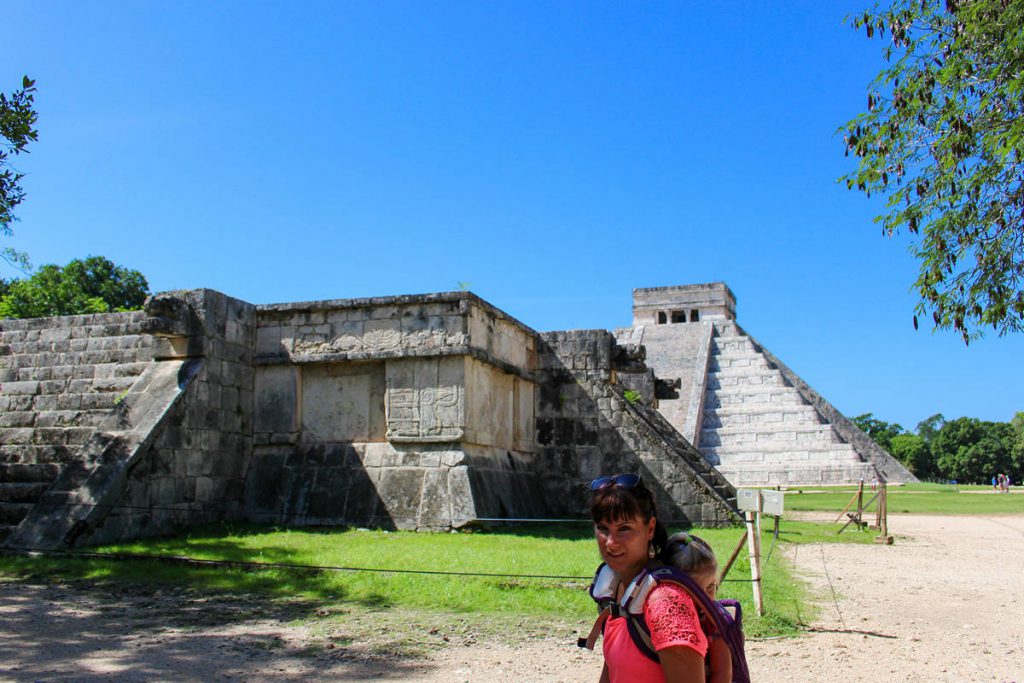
pixel 672 618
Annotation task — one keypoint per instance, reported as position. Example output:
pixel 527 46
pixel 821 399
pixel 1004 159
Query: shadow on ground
pixel 86 631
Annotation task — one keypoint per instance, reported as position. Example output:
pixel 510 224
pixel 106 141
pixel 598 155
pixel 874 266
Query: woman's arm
pixel 720 660
pixel 681 664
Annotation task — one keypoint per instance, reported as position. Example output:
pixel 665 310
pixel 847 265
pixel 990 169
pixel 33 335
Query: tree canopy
pixel 17 118
pixel 965 449
pixel 92 285
pixel 943 140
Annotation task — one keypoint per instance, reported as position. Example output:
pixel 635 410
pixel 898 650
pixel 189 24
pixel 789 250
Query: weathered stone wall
pixel 677 352
pixel 173 450
pixel 408 412
pixel 586 427
pixel 59 379
pixel 656 305
pixel 194 470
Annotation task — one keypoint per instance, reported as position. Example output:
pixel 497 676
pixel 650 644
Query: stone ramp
pixel 60 378
pixel 759 429
pixel 86 489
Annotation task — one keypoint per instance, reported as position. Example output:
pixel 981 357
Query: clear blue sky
pixel 554 155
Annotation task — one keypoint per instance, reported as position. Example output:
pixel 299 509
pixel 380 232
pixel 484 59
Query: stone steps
pixel 744 377
pixel 21 492
pixel 760 415
pixel 790 475
pixel 12 513
pixel 776 452
pixel 755 395
pixel 805 434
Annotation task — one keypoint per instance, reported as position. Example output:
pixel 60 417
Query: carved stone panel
pixel 425 400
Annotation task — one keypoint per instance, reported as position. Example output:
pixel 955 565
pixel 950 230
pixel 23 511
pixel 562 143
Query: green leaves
pixel 17 118
pixel 943 140
pixel 93 285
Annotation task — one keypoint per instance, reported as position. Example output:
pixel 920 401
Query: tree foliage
pixel 92 285
pixel 969 450
pixel 943 140
pixel 17 121
pixel 880 431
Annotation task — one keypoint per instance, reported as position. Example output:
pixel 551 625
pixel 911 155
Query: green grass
pixel 943 499
pixel 551 551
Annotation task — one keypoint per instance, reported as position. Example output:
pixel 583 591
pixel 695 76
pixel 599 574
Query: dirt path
pixel 945 603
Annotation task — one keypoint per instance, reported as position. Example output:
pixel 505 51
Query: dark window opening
pixel 694 315
pixel 679 316
pixel 662 318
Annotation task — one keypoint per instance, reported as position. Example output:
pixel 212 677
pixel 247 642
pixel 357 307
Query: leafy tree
pixel 972 451
pixel 93 285
pixel 943 140
pixel 881 432
pixel 17 118
pixel 1017 448
pixel 929 427
pixel 913 452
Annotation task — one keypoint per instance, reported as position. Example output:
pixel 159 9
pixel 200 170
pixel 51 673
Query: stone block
pixel 400 491
pixel 276 396
pixel 21 388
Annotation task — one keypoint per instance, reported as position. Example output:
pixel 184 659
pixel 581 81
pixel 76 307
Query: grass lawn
pixel 942 499
pixel 565 553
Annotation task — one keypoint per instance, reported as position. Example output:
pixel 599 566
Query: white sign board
pixel 748 500
pixel 771 502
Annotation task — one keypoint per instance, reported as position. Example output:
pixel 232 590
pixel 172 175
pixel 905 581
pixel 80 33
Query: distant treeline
pixel 966 449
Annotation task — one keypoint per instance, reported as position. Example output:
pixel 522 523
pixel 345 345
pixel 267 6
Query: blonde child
pixel 693 556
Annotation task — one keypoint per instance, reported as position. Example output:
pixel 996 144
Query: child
pixel 693 556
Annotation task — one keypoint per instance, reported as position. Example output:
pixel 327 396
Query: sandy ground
pixel 945 603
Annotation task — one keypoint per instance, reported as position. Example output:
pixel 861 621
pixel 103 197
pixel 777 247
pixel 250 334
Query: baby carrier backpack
pixel 631 606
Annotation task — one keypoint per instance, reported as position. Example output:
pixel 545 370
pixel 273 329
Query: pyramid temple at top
pixel 748 414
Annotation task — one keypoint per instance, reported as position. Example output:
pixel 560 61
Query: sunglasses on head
pixel 626 481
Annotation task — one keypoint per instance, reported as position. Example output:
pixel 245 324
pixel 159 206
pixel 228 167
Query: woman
pixel 630 538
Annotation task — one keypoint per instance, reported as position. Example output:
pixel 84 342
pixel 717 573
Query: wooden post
pixel 732 558
pixel 754 547
pixel 860 504
pixel 883 513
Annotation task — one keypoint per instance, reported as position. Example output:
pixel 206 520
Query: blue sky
pixel 552 155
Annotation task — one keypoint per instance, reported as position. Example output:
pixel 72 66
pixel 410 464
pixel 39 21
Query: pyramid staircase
pixel 757 429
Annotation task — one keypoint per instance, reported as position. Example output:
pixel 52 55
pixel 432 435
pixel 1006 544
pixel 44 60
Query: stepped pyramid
pixel 749 415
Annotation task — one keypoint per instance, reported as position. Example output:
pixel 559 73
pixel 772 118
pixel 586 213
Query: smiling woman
pixel 630 539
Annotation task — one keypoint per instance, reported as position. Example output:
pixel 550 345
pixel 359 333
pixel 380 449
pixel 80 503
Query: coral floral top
pixel 672 618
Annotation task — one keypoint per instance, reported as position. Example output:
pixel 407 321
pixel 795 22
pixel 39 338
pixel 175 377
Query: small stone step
pixel 21 492
pixel 728 363
pixel 13 513
pixel 778 452
pixel 781 396
pixel 749 377
pixel 760 414
pixel 29 472
pixel 782 475
pixel 812 434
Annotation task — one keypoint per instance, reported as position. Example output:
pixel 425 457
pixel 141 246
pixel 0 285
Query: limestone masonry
pixel 414 412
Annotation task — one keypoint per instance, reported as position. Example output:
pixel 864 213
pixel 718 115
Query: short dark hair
pixel 614 502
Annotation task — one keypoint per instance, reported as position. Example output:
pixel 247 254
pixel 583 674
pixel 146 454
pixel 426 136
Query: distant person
pixel 995 483
pixel 874 483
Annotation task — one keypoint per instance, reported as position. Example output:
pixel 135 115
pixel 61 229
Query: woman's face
pixel 623 544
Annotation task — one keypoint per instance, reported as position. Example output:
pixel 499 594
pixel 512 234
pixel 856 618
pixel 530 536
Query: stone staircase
pixel 758 430
pixel 59 379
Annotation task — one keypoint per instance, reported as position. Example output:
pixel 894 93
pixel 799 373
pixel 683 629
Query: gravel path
pixel 945 603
